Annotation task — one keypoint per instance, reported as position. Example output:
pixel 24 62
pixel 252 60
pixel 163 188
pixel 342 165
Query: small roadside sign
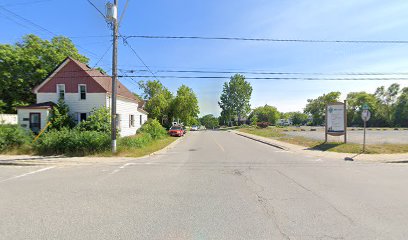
pixel 365 115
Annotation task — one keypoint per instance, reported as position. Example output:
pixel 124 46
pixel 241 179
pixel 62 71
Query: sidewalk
pixel 395 158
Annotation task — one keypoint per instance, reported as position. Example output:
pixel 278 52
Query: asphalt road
pixel 211 185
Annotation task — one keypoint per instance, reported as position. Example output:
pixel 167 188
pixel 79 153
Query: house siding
pixel 71 75
pixel 25 114
pixel 92 101
pixel 125 108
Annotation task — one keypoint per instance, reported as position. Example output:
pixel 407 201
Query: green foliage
pixel 99 120
pixel 209 121
pixel 153 128
pixel 59 117
pixel 299 118
pixel 401 109
pixel 265 114
pixel 159 100
pixel 137 141
pixel 254 120
pixel 355 102
pixel 235 97
pixel 13 136
pixel 185 105
pixel 72 142
pixel 316 107
pixel 26 64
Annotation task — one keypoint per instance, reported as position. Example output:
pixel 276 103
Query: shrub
pixel 154 128
pixel 13 136
pixel 72 142
pixel 137 141
pixel 99 120
pixel 59 117
pixel 263 124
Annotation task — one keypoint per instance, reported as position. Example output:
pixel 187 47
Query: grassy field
pixel 279 134
pixel 140 152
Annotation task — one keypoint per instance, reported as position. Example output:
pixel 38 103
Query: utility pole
pixel 114 20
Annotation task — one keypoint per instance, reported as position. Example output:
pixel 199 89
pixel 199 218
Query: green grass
pixel 278 134
pixel 143 151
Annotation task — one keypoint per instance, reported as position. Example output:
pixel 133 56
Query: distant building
pixel 83 89
pixel 284 122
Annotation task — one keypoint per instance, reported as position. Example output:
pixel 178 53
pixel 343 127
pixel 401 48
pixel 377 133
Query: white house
pixel 83 89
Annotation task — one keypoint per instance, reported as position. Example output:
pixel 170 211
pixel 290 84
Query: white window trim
pixel 79 91
pixel 58 92
pixel 79 116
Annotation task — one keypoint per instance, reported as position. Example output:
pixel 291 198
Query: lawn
pixel 149 148
pixel 279 134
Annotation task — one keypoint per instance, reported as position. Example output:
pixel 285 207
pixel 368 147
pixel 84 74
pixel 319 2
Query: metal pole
pixel 364 139
pixel 345 121
pixel 114 77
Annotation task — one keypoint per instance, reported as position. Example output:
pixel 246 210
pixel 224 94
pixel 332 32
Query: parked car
pixel 184 130
pixel 194 128
pixel 177 131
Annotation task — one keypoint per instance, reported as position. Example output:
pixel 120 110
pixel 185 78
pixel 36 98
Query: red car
pixel 176 131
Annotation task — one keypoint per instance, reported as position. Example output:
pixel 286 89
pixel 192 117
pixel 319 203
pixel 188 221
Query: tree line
pixel 388 106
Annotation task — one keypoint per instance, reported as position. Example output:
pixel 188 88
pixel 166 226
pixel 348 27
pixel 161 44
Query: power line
pixel 273 73
pixel 275 78
pixel 97 9
pixel 40 27
pixel 126 43
pixel 271 39
pixel 103 55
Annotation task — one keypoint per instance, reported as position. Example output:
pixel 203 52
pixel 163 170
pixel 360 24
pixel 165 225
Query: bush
pixel 13 136
pixel 154 128
pixel 263 124
pixel 72 142
pixel 59 117
pixel 99 120
pixel 137 141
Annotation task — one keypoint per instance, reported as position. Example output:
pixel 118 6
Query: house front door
pixel 35 122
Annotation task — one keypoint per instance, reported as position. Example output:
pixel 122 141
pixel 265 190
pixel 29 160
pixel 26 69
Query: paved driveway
pixel 373 136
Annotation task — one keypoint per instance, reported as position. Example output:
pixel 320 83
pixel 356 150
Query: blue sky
pixel 318 19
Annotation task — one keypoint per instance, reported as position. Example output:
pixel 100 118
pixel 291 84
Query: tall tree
pixel 185 105
pixel 159 100
pixel 235 97
pixel 386 102
pixel 316 107
pixel 26 64
pixel 355 102
pixel 401 109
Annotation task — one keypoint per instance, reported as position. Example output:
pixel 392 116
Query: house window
pixel 131 120
pixel 141 118
pixel 118 120
pixel 61 91
pixel 82 117
pixel 82 91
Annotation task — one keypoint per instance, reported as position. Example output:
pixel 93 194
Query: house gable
pixel 70 74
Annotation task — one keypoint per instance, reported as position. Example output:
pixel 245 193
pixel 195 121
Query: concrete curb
pixel 171 145
pixel 384 158
pixel 261 141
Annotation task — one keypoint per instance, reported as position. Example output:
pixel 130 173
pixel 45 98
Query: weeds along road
pixel 211 185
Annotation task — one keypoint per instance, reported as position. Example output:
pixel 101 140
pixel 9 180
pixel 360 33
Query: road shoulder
pixel 389 158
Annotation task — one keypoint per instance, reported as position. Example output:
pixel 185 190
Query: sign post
pixel 336 120
pixel 365 116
